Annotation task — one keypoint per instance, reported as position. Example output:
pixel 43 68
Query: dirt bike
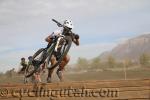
pixel 59 46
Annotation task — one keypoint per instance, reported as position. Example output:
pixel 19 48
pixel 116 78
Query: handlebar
pixel 58 23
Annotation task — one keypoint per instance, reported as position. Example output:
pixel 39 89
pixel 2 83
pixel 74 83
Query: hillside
pixel 130 49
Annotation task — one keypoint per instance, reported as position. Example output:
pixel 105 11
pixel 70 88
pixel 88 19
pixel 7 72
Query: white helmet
pixel 68 23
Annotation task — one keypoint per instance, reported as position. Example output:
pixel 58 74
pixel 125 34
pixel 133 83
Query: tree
pixel 1 74
pixel 144 59
pixel 95 63
pixel 111 61
pixel 10 73
pixel 128 62
pixel 82 63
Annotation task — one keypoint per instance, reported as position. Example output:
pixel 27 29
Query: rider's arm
pixel 76 39
pixel 48 39
pixel 52 36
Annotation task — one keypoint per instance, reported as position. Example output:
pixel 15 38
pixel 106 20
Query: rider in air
pixel 68 26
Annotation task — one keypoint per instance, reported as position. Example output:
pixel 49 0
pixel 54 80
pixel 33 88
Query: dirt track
pixel 89 90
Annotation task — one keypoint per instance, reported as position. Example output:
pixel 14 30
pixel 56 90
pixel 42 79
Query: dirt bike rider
pixel 68 26
pixel 24 65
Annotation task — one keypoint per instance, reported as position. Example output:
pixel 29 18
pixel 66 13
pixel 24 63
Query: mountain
pixel 130 49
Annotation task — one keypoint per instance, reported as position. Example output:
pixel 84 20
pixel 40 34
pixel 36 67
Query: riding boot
pixel 49 80
pixel 60 75
pixel 49 77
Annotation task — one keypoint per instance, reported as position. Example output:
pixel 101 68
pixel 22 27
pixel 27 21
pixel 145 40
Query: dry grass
pixel 138 73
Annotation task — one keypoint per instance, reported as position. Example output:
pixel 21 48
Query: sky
pixel 101 24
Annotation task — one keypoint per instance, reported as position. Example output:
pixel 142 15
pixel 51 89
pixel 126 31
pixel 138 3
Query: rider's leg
pixel 23 69
pixel 38 77
pixel 43 67
pixel 50 71
pixel 63 63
